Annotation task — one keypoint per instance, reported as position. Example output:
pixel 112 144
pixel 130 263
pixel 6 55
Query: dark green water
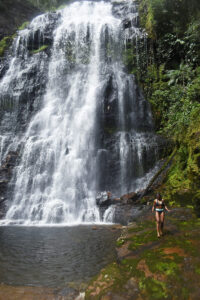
pixel 54 256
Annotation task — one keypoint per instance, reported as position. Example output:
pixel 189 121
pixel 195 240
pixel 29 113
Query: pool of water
pixel 54 256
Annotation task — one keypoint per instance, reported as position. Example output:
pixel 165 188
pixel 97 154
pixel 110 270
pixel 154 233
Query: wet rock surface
pixel 28 76
pixel 152 268
pixel 126 209
pixel 5 176
pixel 13 14
pixel 125 214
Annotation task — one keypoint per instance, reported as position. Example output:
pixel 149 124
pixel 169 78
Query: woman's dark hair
pixel 158 196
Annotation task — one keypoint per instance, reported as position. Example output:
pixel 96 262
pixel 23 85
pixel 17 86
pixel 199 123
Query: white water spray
pixel 57 178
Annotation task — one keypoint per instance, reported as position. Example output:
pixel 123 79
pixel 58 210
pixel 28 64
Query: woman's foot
pixel 158 236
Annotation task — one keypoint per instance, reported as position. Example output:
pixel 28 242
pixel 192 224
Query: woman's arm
pixel 166 207
pixel 153 207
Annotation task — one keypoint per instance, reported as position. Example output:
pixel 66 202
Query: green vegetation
pixel 23 26
pixel 42 48
pixel 160 17
pixel 174 97
pixel 120 242
pixel 154 268
pixel 167 69
pixel 143 238
pixel 155 289
pixel 141 226
pixel 182 184
pixel 5 43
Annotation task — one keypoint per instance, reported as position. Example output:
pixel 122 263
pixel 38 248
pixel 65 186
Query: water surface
pixel 54 256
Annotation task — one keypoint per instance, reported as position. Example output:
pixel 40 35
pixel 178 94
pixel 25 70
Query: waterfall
pixel 88 128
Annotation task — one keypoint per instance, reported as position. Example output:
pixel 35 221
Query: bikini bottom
pixel 159 210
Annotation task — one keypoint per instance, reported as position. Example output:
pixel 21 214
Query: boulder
pixel 105 199
pixel 131 197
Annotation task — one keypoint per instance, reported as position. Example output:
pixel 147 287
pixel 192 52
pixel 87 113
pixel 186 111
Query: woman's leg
pixel 162 219
pixel 158 223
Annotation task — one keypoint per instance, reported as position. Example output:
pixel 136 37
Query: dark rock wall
pixel 5 176
pixel 13 13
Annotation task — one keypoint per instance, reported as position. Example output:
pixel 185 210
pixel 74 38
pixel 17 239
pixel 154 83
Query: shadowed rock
pixel 13 14
pixel 5 176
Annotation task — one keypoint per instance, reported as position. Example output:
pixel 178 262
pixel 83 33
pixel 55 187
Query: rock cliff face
pixel 13 13
pixel 68 102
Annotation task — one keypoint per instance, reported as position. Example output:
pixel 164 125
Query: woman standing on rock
pixel 159 207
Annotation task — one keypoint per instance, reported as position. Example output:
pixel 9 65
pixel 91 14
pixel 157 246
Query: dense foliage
pixel 171 76
pixel 168 16
pixel 167 68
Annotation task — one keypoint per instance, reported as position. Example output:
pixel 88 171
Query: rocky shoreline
pixel 146 267
pixel 152 268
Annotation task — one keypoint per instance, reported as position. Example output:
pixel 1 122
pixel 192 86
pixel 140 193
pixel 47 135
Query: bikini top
pixel 162 205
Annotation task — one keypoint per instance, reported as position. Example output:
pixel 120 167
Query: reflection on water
pixel 54 256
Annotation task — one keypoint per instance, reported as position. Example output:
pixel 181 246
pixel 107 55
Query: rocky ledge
pixel 152 268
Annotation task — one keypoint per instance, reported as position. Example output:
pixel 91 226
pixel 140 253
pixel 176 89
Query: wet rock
pixel 121 9
pixel 127 23
pixel 131 197
pixel 45 37
pixel 24 96
pixel 106 199
pixel 69 294
pixel 132 287
pixel 5 176
pixel 3 68
pixel 101 198
pixel 127 208
pixel 125 214
pixel 13 14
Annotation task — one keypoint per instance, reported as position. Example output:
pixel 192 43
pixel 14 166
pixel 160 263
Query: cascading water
pixel 90 131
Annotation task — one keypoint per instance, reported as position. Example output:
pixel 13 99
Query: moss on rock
pixel 183 181
pixel 4 44
pixel 42 48
pixel 24 25
pixel 166 269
